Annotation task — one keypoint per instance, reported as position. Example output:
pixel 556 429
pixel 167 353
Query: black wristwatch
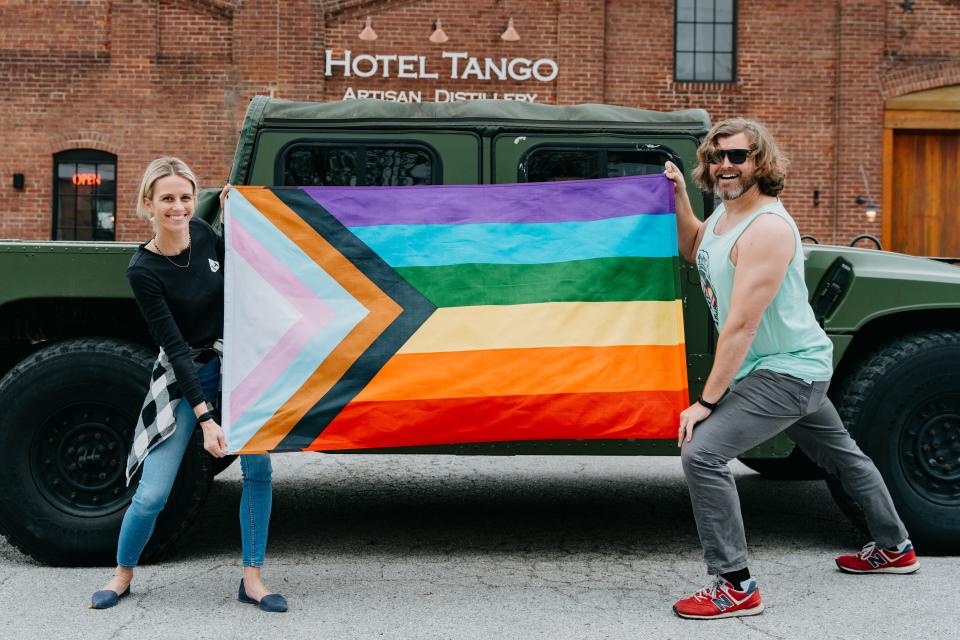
pixel 206 415
pixel 709 405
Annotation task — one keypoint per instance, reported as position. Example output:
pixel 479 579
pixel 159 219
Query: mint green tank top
pixel 788 340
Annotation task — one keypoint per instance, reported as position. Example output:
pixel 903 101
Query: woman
pixel 177 280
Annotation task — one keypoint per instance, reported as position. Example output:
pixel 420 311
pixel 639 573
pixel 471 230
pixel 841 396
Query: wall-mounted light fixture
pixel 870 208
pixel 18 181
pixel 368 34
pixel 438 36
pixel 510 35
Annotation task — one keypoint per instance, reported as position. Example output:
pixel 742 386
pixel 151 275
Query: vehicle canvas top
pixel 265 112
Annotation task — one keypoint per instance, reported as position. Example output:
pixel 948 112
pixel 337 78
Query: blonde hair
pixel 161 168
pixel 771 165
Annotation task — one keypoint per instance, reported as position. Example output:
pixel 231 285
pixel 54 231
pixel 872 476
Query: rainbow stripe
pixel 453 314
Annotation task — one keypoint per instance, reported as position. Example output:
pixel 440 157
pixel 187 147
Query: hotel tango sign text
pixel 452 65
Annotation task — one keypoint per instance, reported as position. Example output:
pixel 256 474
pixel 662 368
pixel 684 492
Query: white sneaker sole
pixel 910 568
pixel 732 614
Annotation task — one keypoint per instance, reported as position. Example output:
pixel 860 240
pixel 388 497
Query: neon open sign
pixel 86 179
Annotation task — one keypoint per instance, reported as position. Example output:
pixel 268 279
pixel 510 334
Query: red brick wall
pixel 141 78
pixel 859 135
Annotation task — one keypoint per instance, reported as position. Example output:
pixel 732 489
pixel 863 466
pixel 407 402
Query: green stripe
pixel 597 280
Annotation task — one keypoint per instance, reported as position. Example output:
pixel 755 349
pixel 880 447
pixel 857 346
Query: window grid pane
pixel 685 39
pixel 705 11
pixel 705 41
pixel 724 11
pixel 723 42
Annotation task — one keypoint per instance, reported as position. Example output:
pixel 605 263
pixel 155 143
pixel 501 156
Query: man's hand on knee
pixel 689 418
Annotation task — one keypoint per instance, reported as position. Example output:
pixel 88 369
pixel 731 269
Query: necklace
pixel 169 259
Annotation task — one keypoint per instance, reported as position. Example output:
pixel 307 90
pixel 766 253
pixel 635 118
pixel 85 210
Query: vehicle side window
pixel 549 163
pixel 320 166
pixel 332 165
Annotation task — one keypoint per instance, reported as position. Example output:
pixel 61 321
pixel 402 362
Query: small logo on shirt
pixel 214 265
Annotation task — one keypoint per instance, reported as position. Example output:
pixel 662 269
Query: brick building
pixel 864 95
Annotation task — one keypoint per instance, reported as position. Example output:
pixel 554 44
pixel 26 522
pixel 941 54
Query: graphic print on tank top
pixel 703 266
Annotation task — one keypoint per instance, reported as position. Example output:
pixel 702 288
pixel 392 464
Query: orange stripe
pixel 383 311
pixel 635 414
pixel 510 372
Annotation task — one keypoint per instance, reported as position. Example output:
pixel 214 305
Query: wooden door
pixel 925 190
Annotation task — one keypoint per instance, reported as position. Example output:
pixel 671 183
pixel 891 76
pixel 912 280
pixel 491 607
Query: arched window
pixel 84 195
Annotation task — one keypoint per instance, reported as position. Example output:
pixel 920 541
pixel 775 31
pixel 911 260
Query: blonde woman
pixel 177 279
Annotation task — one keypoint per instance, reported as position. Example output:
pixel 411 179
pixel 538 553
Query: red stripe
pixel 405 423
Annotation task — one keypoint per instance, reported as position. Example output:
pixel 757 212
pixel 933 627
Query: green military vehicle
pixel 75 353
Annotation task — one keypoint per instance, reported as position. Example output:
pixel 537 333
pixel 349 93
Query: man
pixel 778 360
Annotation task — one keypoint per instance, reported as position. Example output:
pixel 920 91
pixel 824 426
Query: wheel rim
pixel 930 450
pixel 78 459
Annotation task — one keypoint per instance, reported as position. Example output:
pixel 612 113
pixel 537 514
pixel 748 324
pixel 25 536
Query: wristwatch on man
pixel 709 405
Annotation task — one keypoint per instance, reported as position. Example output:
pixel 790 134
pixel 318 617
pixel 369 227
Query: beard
pixel 736 192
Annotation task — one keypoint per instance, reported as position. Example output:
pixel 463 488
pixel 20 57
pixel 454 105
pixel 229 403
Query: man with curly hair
pixel 774 358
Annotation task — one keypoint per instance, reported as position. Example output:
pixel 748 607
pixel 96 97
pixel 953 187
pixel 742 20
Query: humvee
pixel 75 353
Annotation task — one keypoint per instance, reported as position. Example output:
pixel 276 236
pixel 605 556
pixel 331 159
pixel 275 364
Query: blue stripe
pixel 418 245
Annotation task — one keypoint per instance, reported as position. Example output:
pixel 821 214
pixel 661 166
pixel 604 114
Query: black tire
pixel 796 466
pixel 67 415
pixel 902 406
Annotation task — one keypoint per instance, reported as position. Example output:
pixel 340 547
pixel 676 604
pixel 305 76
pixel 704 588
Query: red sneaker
pixel 872 559
pixel 720 600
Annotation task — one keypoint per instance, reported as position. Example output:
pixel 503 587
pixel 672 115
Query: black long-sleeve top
pixel 183 307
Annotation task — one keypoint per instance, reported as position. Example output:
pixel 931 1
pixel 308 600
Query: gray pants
pixel 758 407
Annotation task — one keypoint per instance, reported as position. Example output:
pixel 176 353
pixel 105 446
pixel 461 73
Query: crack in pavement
pixel 8 578
pixel 188 578
pixel 139 613
pixel 766 634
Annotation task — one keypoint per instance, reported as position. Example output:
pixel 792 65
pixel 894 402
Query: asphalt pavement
pixel 412 547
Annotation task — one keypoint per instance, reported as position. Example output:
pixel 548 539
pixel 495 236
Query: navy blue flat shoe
pixel 106 598
pixel 273 603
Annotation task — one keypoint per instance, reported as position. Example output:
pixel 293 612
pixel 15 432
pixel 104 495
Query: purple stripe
pixel 567 201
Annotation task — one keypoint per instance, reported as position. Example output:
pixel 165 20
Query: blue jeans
pixel 160 470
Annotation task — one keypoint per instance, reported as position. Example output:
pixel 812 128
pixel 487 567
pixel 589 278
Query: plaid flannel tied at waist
pixel 156 422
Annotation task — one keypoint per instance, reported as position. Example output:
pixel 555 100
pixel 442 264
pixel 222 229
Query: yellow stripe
pixel 549 324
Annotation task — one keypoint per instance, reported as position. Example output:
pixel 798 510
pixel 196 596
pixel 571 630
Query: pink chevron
pixel 316 315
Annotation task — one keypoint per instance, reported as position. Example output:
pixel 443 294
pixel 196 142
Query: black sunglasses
pixel 736 156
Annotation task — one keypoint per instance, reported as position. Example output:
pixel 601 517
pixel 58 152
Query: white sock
pixel 903 545
pixel 747 584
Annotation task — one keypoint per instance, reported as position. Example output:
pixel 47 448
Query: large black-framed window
pixel 705 44
pixel 555 162
pixel 335 165
pixel 84 195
